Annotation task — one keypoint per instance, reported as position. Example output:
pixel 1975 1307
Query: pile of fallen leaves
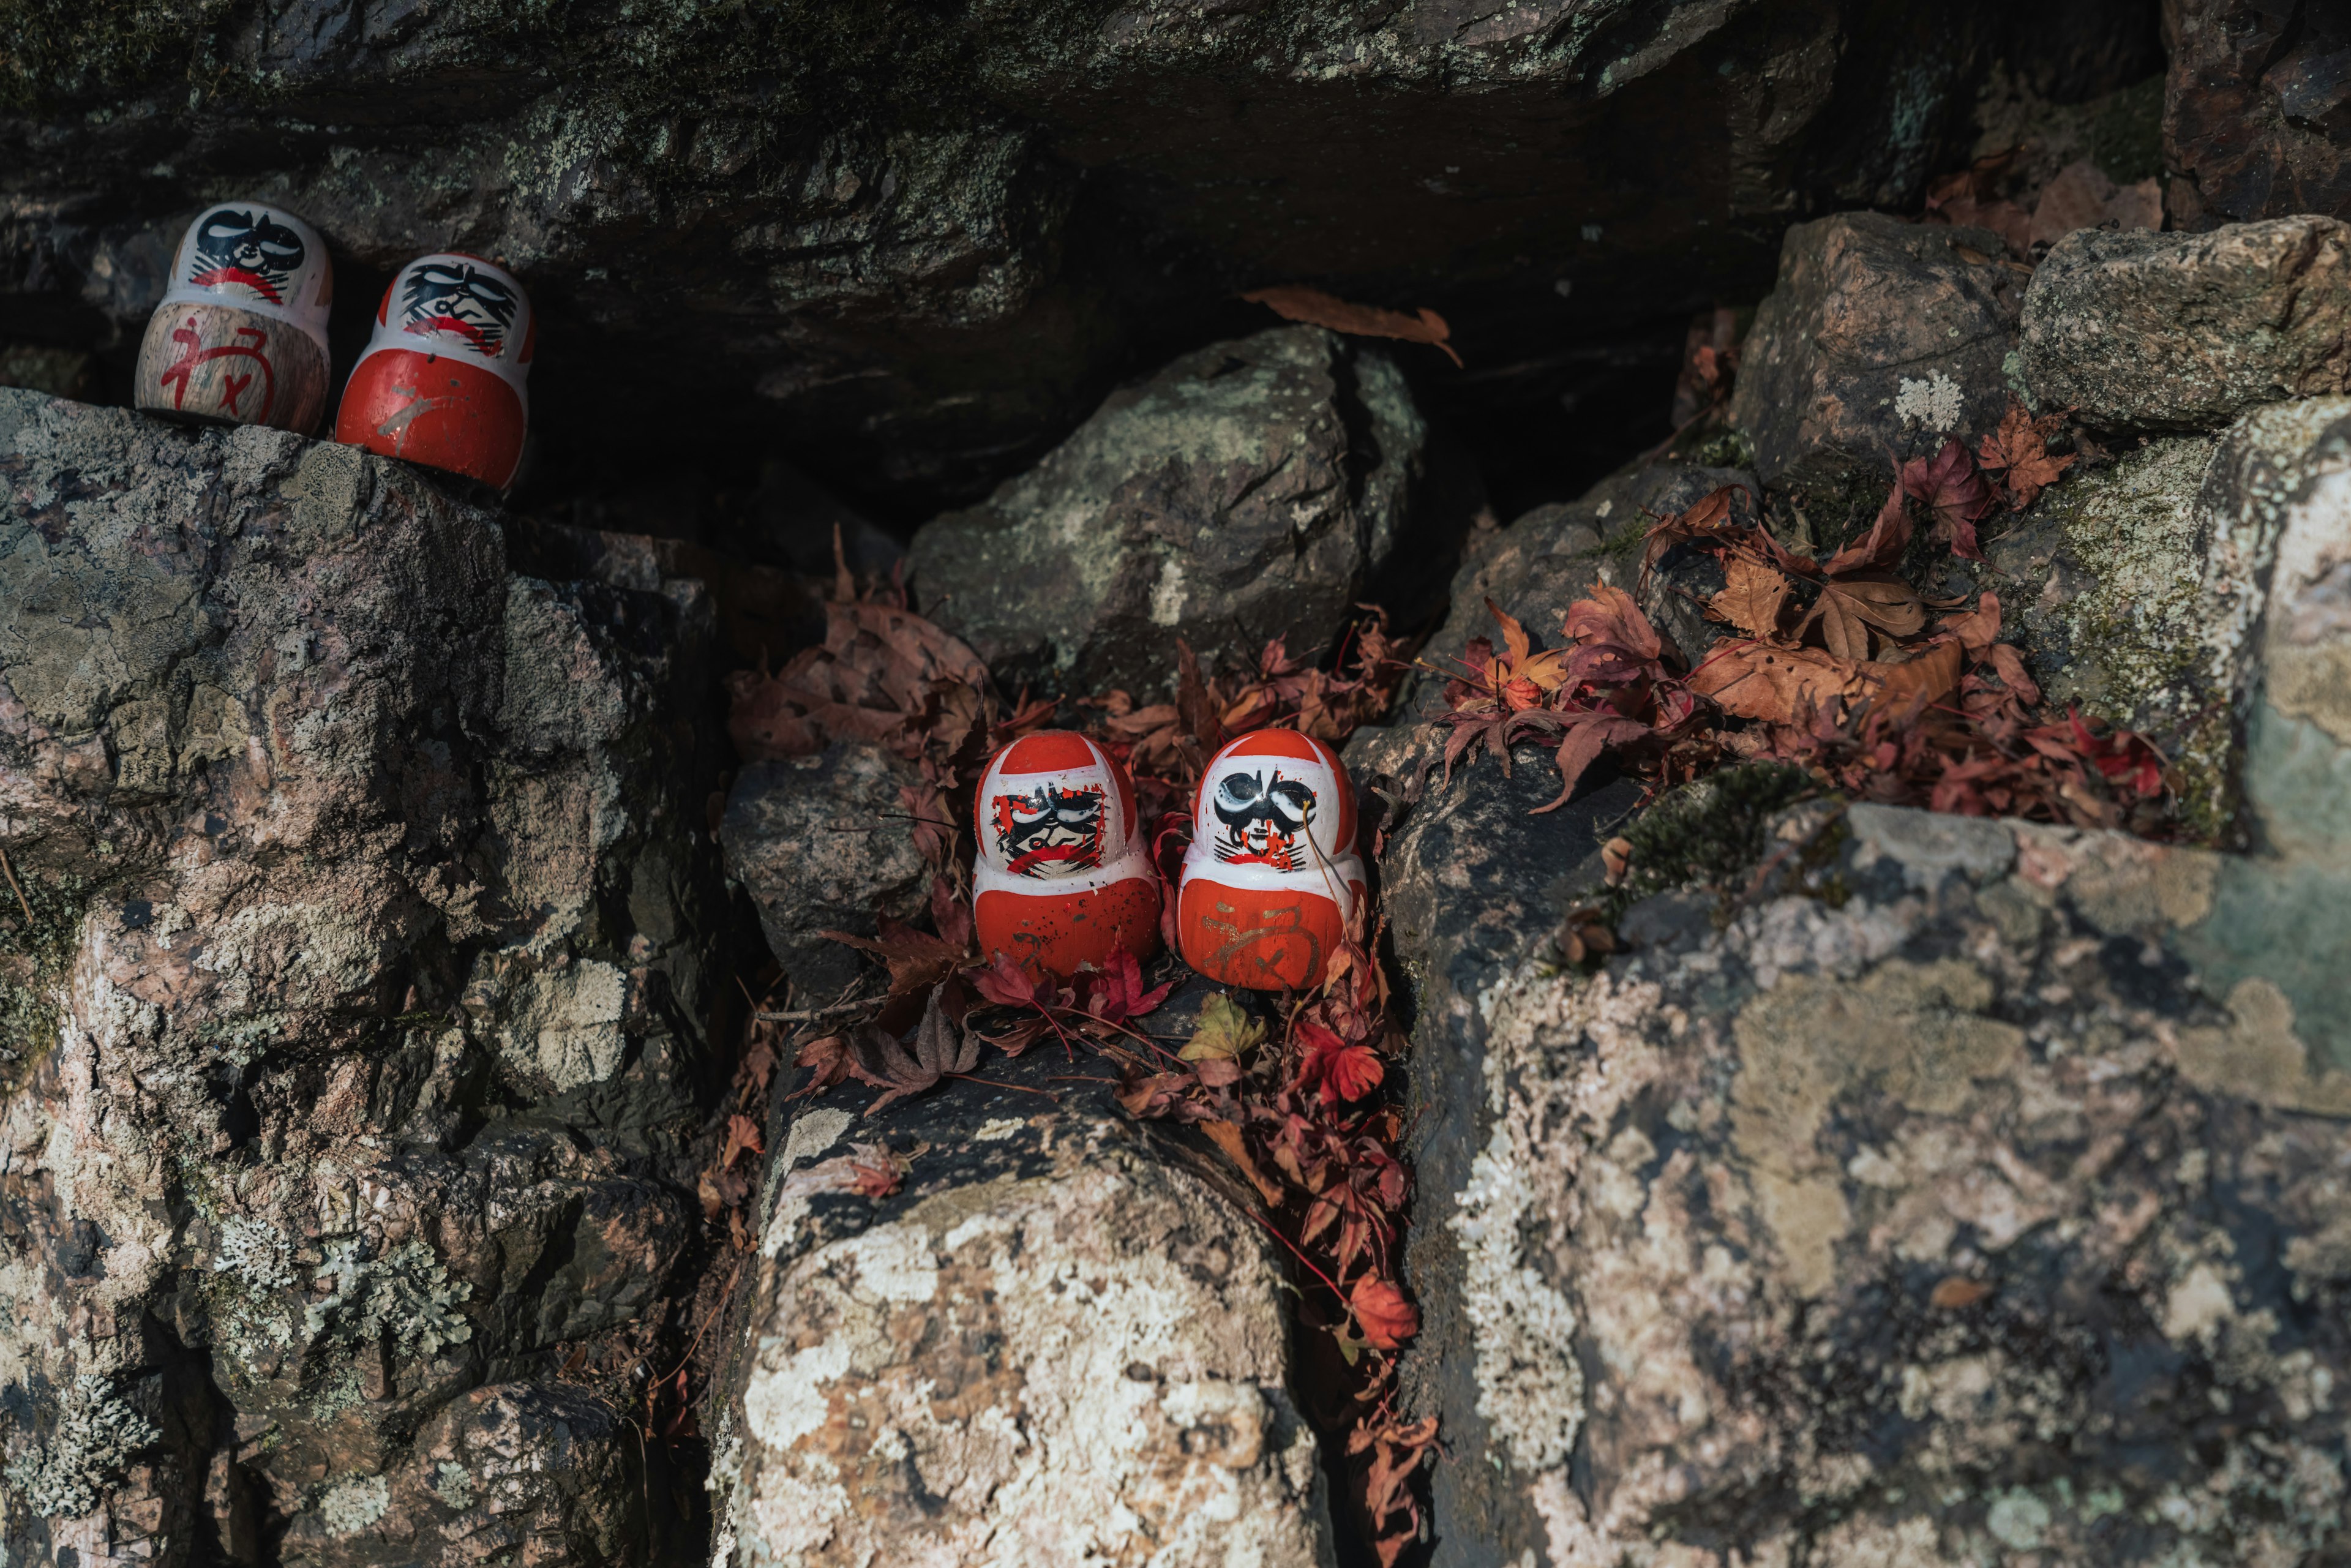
pixel 1839 665
pixel 1293 1100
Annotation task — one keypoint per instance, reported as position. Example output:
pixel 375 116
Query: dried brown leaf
pixel 1317 308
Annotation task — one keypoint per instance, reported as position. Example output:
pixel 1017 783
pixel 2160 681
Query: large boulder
pixel 1939 1205
pixel 1881 339
pixel 1913 1188
pixel 2185 331
pixel 1252 490
pixel 825 843
pixel 356 936
pixel 913 243
pixel 995 1322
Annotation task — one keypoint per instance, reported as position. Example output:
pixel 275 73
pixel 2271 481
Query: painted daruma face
pixel 1061 880
pixel 1272 870
pixel 445 380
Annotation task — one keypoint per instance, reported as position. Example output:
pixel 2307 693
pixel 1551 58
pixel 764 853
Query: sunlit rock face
pixel 356 934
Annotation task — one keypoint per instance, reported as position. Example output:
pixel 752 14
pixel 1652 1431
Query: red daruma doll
pixel 1062 880
pixel 441 381
pixel 1272 872
pixel 241 336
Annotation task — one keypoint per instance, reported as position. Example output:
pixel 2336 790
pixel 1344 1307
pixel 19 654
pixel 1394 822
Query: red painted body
pixel 437 410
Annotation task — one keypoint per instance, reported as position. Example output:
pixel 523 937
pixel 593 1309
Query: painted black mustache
pixel 456 291
pixel 1286 805
pixel 251 241
pixel 1037 817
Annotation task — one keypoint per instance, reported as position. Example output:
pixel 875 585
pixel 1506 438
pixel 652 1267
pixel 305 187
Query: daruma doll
pixel 1272 872
pixel 442 382
pixel 241 335
pixel 1062 879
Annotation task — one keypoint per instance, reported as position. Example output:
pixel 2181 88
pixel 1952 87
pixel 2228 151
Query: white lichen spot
pixel 258 1254
pixel 353 1504
pixel 2018 1520
pixel 453 1485
pixel 2196 1304
pixel 998 1128
pixel 1167 594
pixel 96 1434
pixel 1933 404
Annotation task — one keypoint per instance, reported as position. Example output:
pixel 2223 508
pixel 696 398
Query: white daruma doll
pixel 241 335
pixel 1062 879
pixel 1273 872
pixel 442 382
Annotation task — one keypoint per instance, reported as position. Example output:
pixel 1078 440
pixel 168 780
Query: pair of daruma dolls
pixel 241 338
pixel 1063 879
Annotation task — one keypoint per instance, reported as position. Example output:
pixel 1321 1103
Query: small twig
pixel 716 1307
pixel 22 903
pixel 813 1015
pixel 999 1083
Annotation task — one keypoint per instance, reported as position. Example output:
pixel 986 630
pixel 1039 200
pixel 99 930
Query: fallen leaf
pixel 940 1048
pixel 1752 596
pixel 1317 308
pixel 1850 606
pixel 827 1059
pixel 1978 629
pixel 1915 683
pixel 1779 685
pixel 1344 1069
pixel 1228 1137
pixel 1115 993
pixel 743 1137
pixel 1380 1311
pixel 1224 1033
pixel 1879 548
pixel 2019 452
pixel 916 960
pixel 1956 1292
pixel 1609 615
pixel 864 682
pixel 1954 490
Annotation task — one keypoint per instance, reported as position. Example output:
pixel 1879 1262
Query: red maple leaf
pixel 1385 1317
pixel 1343 1069
pixel 1116 994
pixel 1953 490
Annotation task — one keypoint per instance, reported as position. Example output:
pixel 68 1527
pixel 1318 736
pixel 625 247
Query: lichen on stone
pixel 256 1252
pixel 406 1291
pixel 97 1432
pixel 353 1504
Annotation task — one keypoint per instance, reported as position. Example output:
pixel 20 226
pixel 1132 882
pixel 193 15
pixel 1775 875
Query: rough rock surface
pixel 2185 331
pixel 1060 1341
pixel 355 948
pixel 2256 110
pixel 1881 340
pixel 912 241
pixel 1953 1187
pixel 823 843
pixel 1251 490
pixel 1936 1207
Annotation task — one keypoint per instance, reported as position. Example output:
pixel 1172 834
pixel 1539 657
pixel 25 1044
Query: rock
pixel 1060 1339
pixel 2184 331
pixel 823 843
pixel 1881 340
pixel 352 955
pixel 1252 490
pixel 1959 1211
pixel 913 244
pixel 1914 1181
pixel 2255 111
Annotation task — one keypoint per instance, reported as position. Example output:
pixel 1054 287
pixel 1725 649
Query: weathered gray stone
pixel 2185 331
pixel 825 843
pixel 1956 1212
pixel 1251 490
pixel 353 1032
pixel 1059 1342
pixel 1881 340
